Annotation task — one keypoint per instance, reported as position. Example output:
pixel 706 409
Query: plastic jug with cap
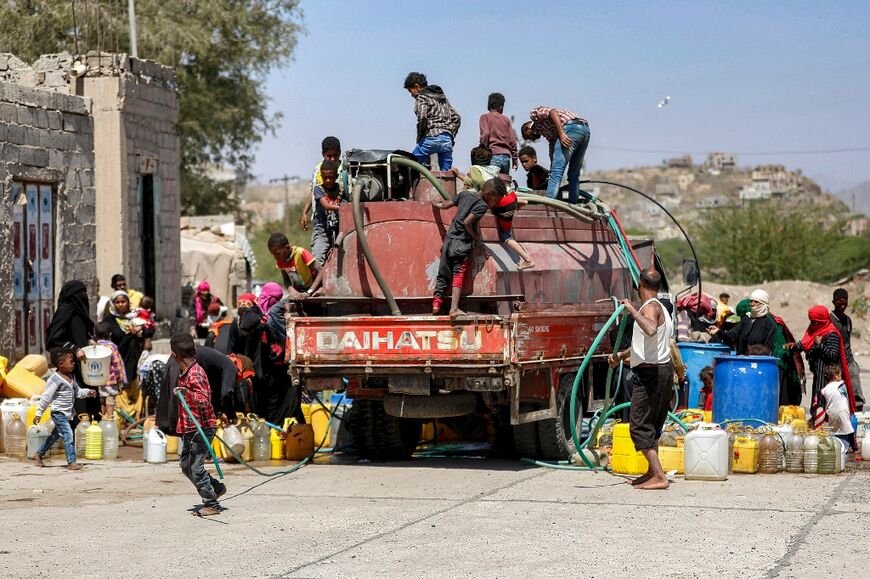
pixel 707 455
pixel 32 407
pixel 794 453
pixel 298 440
pixel 768 454
pixel 110 438
pixel 94 442
pixel 745 455
pixel 261 447
pixel 840 464
pixel 16 437
pixel 865 444
pixel 81 434
pixel 232 438
pixel 790 413
pixel 7 408
pixel 811 453
pixel 625 458
pixel 36 437
pixel 248 439
pixel 172 444
pixel 827 454
pixel 276 444
pixel 154 442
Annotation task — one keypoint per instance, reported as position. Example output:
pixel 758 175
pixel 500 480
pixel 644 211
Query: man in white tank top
pixel 653 376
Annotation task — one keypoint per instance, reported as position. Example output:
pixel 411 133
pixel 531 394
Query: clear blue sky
pixel 742 77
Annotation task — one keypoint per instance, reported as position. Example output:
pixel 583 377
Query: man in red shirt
pixel 193 385
pixel 568 135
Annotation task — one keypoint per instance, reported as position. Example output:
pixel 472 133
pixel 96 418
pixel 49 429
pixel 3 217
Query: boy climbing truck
pixel 514 352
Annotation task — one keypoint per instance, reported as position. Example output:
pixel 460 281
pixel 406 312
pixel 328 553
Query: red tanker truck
pixel 515 353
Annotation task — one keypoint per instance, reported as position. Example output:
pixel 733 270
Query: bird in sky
pixel 664 102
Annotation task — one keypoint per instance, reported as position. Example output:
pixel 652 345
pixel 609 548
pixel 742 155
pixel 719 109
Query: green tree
pixel 766 241
pixel 221 50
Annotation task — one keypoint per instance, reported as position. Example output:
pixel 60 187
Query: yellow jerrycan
pixel 298 440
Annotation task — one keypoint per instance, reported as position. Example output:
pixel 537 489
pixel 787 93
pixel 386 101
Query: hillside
pixel 688 191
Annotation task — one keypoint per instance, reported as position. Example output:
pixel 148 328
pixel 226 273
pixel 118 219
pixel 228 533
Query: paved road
pixel 454 517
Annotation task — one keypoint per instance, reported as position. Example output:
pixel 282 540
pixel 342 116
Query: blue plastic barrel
pixel 695 357
pixel 745 387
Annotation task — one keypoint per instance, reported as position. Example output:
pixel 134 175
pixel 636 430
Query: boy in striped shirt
pixel 60 392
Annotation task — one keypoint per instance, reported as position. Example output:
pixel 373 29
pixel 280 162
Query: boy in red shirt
pixel 504 215
pixel 705 400
pixel 193 385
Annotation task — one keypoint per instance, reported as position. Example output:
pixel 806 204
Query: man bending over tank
pixel 653 377
pixel 460 239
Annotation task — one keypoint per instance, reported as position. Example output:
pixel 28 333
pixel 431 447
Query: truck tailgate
pixel 397 340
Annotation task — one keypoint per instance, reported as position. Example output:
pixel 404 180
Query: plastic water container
pixel 827 454
pixel 248 439
pixel 110 439
pixel 154 443
pixel 80 435
pixel 865 445
pixel 96 365
pixel 707 455
pixel 298 440
pixel 33 406
pixel 624 458
pixel 172 445
pixel 36 437
pixel 745 455
pixel 232 438
pixel 840 448
pixel 261 447
pixel 811 453
pixel 94 442
pixel 9 407
pixel 277 449
pixel 317 415
pixel 672 458
pixel 794 453
pixel 768 454
pixel 21 382
pixel 696 356
pixel 746 387
pixel 16 437
pixel 789 413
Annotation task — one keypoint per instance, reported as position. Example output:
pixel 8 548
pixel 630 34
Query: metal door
pixel 33 277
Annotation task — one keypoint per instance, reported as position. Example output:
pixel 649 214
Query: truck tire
pixel 555 433
pixel 379 436
pixel 439 406
pixel 526 442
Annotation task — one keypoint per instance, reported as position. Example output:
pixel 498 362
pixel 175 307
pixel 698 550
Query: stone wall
pixel 46 137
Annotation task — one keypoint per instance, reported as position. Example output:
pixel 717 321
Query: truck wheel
pixel 555 433
pixel 526 443
pixel 379 436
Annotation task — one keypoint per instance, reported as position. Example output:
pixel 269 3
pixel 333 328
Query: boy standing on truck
pixel 437 121
pixel 327 198
pixel 460 239
pixel 298 267
pixel 497 135
pixel 536 176
pixel 331 150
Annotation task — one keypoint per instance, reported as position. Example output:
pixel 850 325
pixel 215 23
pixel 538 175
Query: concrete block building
pixel 90 168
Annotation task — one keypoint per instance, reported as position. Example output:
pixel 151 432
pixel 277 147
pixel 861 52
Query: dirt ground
pixel 427 517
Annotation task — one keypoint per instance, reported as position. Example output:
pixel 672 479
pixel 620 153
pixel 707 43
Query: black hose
pixel 367 252
pixel 668 213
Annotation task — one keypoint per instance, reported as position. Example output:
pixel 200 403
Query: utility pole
pixel 131 16
pixel 286 179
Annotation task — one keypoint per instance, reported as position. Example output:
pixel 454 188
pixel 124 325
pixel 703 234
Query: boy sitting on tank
pixel 504 207
pixel 460 239
pixel 60 392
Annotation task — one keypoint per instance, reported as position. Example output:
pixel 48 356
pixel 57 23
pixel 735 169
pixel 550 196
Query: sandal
pixel 206 512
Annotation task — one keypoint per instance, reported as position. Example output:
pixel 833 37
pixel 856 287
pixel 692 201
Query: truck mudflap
pixel 397 341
